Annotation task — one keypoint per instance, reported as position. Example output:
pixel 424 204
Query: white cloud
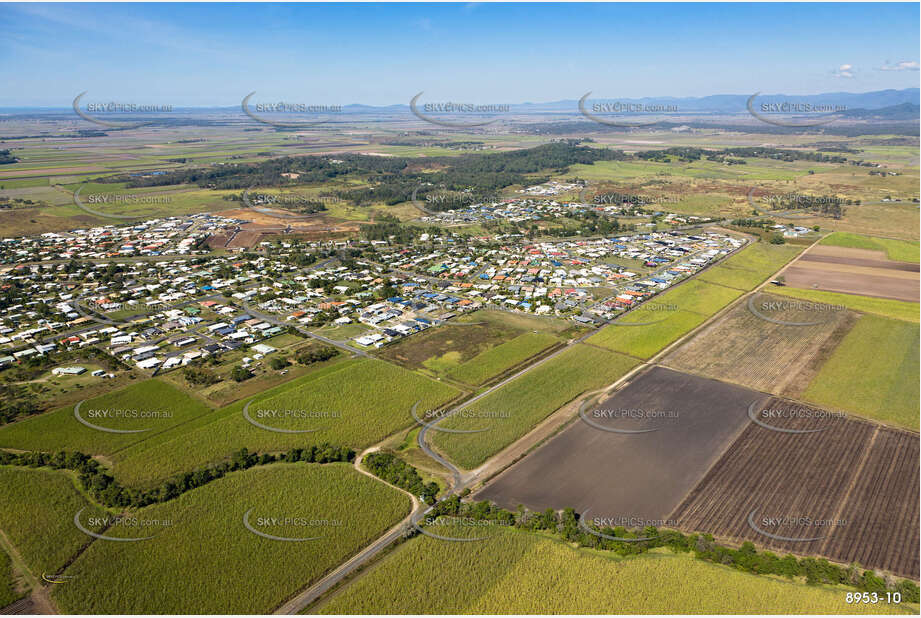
pixel 904 65
pixel 845 70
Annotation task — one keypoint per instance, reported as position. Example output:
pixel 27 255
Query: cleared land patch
pixel 501 358
pixel 846 489
pixel 854 271
pixel 596 465
pixel 206 561
pixel 512 410
pixel 771 343
pixel 523 573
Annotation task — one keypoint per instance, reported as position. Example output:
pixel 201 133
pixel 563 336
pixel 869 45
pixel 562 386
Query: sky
pixel 383 54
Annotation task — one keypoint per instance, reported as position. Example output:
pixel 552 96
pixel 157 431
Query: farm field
pixel 355 404
pixel 847 489
pixel 751 266
pixel 37 509
pixel 599 465
pixel 873 372
pixel 896 250
pixel 501 358
pixel 646 340
pixel 885 307
pixel 744 347
pixel 515 408
pixel 523 573
pixel 854 271
pixel 643 333
pixel 232 569
pixel 145 408
pixel 8 589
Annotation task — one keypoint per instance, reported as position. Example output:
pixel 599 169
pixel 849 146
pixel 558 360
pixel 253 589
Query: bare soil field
pixel 641 476
pixel 840 488
pixel 854 271
pixel 780 356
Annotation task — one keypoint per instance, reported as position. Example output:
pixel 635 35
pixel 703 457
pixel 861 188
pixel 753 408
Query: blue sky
pixel 214 54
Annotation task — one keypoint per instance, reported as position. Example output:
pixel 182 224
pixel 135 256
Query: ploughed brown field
pixel 631 475
pixel 780 356
pixel 847 490
pixel 854 271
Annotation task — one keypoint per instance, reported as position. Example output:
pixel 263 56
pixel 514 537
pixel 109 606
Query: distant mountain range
pixel 892 104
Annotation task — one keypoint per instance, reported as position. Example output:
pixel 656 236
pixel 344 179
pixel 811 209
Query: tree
pixel 240 373
pixel 278 363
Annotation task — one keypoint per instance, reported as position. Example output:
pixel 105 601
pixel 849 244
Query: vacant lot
pixel 356 404
pixel 204 560
pixel 148 408
pixel 37 508
pixel 687 420
pixel 751 266
pixel 514 409
pixel 745 347
pixel 854 271
pixel 523 573
pixel 644 333
pixel 501 358
pixel 873 372
pixel 811 493
pixel 443 350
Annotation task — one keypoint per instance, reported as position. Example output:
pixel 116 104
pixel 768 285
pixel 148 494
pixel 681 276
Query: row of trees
pixel 106 490
pixel 746 558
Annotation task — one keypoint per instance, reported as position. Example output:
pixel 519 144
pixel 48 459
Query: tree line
pixel 106 490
